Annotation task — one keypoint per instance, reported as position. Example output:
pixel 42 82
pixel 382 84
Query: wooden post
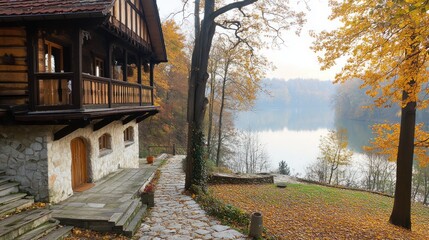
pixel 139 79
pixel 110 75
pixel 32 56
pixel 77 85
pixel 174 149
pixel 125 71
pixel 151 82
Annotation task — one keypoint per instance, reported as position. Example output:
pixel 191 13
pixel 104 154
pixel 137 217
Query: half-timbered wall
pixel 128 15
pixel 13 66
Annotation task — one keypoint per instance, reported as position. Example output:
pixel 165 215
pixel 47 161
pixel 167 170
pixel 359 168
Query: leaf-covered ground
pixel 306 211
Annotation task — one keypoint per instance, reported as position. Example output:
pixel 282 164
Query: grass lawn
pixel 306 211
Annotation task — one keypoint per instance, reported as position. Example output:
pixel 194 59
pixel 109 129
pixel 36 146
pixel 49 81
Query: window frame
pixel 105 144
pixel 129 136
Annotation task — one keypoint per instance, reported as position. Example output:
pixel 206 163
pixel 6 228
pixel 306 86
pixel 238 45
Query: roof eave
pixel 57 16
pixel 151 13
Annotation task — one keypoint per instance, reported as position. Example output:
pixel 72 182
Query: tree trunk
pixel 426 187
pixel 401 213
pixel 211 105
pixel 222 105
pixel 196 97
pixel 197 85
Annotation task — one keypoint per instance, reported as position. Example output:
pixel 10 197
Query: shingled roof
pixel 53 7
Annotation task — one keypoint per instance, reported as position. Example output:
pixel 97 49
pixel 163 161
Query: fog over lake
pixel 290 124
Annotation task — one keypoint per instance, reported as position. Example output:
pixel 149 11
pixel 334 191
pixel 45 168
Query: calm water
pixel 293 135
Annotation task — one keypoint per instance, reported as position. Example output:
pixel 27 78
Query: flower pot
pixel 148 198
pixel 149 159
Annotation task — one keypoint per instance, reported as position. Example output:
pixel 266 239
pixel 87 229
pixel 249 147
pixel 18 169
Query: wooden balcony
pixel 54 91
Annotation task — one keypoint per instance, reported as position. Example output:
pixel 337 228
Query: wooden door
pixel 79 172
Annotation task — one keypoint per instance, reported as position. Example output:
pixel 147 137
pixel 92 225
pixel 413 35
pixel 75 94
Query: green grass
pixel 309 211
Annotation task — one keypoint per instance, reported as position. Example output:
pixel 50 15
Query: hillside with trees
pixel 295 93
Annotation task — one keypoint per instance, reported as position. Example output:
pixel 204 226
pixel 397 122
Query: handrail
pixel 54 75
pixel 54 91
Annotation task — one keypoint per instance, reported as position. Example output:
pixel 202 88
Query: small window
pixel 99 67
pixel 129 135
pixel 53 57
pixel 105 142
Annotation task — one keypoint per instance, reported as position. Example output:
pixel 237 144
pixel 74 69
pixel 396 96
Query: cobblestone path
pixel 177 216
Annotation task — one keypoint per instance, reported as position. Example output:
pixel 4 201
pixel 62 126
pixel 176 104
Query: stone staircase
pixel 28 224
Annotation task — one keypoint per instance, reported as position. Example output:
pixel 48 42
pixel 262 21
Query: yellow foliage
pixel 386 44
pixel 386 141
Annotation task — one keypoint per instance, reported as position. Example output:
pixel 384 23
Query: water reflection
pixel 359 132
pixel 293 134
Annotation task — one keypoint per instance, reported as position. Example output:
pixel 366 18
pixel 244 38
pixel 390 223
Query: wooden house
pixel 76 77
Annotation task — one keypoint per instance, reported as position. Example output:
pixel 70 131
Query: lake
pixel 293 135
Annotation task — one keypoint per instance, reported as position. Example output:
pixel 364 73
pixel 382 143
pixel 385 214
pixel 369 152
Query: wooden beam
pixel 106 121
pixel 129 119
pixel 69 129
pixel 146 115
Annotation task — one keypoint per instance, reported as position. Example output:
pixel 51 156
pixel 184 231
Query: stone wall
pixel 240 179
pixel 43 166
pixel 24 157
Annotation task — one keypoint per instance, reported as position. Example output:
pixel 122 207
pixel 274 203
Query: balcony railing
pixel 55 92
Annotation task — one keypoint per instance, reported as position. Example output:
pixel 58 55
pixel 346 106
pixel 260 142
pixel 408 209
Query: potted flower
pixel 149 159
pixel 148 195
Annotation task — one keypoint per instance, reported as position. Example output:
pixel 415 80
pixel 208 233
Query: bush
pixel 227 214
pixel 284 168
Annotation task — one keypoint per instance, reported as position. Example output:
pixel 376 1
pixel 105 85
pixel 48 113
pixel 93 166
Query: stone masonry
pixel 24 157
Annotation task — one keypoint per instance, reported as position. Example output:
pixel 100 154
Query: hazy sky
pixel 296 59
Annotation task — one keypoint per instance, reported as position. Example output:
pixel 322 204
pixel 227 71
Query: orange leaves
pixel 385 43
pixel 386 140
pixel 304 211
pixel 81 234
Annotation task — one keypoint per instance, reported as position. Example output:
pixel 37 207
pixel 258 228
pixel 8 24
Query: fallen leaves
pixel 304 211
pixel 83 234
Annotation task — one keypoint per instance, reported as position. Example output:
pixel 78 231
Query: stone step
pixel 40 231
pixel 3 180
pixel 8 188
pixel 11 197
pixel 128 215
pixel 16 225
pixel 14 206
pixel 135 222
pixel 58 234
pixel 2 172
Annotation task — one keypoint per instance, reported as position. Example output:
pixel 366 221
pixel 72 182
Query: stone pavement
pixel 177 216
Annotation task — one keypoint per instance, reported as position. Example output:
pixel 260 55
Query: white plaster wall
pixel 59 155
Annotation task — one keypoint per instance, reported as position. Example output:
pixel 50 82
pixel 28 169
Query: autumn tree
pixel 251 154
pixel 386 45
pixel 385 142
pixel 168 127
pixel 247 19
pixel 237 72
pixel 378 173
pixel 334 152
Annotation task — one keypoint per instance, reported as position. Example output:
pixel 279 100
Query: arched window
pixel 129 135
pixel 105 142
